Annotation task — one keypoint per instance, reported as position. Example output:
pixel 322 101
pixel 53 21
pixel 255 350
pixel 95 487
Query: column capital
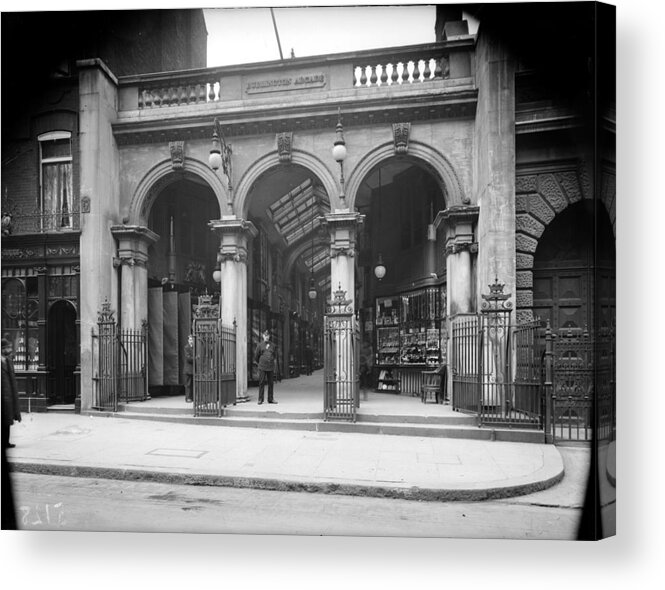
pixel 133 244
pixel 232 225
pixel 457 215
pixel 456 246
pixel 136 233
pixel 342 219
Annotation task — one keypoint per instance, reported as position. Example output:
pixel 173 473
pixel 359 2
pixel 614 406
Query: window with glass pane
pixel 20 305
pixel 57 197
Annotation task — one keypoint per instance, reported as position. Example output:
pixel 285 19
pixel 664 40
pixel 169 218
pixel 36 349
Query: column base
pixel 242 400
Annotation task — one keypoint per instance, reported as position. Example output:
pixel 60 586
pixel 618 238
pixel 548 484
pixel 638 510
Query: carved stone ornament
pixel 401 133
pixel 457 247
pixel 177 149
pixel 196 273
pixel 284 143
pixel 336 251
pixel 85 204
pixel 231 257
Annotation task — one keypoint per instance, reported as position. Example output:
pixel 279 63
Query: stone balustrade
pixel 360 71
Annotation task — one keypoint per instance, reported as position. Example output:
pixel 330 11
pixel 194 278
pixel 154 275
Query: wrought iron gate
pixel 464 365
pixel 214 378
pixel 341 360
pixel 572 397
pixel 122 357
pixel 528 403
pixel 496 367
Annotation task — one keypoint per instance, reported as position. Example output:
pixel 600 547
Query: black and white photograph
pixel 290 271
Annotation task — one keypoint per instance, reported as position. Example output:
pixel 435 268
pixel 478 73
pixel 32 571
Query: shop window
pixel 20 310
pixel 56 195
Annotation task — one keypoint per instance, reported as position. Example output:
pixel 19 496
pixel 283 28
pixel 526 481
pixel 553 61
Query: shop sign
pixel 299 82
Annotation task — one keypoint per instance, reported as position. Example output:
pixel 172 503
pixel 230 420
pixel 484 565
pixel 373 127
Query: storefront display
pixel 410 337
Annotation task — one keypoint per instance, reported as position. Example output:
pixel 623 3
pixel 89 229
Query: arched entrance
pixel 403 312
pixel 180 269
pixel 288 267
pixel 574 269
pixel 63 353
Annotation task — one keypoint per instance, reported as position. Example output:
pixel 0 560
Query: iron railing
pixel 214 378
pixel 464 362
pixel 496 367
pixel 36 221
pixel 341 360
pixel 573 385
pixel 122 357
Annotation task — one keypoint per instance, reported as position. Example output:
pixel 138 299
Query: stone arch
pixel 163 174
pixel 436 161
pixel 540 196
pixel 271 160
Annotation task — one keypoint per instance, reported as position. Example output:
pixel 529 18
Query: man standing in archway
pixel 266 358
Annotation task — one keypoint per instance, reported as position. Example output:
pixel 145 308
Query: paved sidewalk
pixel 409 467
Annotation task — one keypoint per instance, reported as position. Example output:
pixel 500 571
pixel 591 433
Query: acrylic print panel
pixel 469 162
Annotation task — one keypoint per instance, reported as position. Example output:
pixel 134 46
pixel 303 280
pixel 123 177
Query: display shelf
pixel 387 346
pixel 388 381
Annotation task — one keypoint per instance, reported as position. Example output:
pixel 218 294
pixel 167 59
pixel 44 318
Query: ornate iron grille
pixel 465 362
pixel 606 384
pixel 497 367
pixel 122 363
pixel 496 400
pixel 341 360
pixel 573 385
pixel 133 364
pixel 106 392
pixel 528 403
pixel 214 376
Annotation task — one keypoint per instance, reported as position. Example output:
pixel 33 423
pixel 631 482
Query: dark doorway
pixel 574 270
pixel 63 353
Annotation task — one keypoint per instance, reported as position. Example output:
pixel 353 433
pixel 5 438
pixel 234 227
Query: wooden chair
pixel 431 387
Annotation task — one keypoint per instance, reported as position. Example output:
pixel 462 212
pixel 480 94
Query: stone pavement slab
pixel 423 468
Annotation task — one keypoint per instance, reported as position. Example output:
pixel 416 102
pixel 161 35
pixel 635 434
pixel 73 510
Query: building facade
pixel 474 160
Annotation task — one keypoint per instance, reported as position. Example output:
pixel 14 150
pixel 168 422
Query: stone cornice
pixel 342 219
pixel 134 231
pixel 233 225
pixel 457 214
pixel 317 112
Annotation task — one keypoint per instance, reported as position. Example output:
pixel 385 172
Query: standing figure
pixel 366 362
pixel 309 359
pixel 189 368
pixel 266 358
pixel 10 405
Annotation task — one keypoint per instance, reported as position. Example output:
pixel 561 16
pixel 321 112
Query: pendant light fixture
pixel 312 286
pixel 379 269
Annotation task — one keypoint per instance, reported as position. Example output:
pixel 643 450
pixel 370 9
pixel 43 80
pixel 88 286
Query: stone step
pixel 467 431
pixel 456 419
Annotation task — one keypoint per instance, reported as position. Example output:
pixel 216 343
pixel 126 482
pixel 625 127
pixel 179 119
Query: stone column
pixel 342 226
pixel 133 244
pixel 494 182
pixel 99 171
pixel 459 223
pixel 234 234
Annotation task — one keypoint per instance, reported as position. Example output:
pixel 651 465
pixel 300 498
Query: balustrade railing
pixel 187 93
pixel 402 72
pixel 21 221
pixel 401 67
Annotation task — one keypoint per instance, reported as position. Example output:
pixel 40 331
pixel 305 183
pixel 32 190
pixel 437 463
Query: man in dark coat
pixel 10 405
pixel 189 368
pixel 265 356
